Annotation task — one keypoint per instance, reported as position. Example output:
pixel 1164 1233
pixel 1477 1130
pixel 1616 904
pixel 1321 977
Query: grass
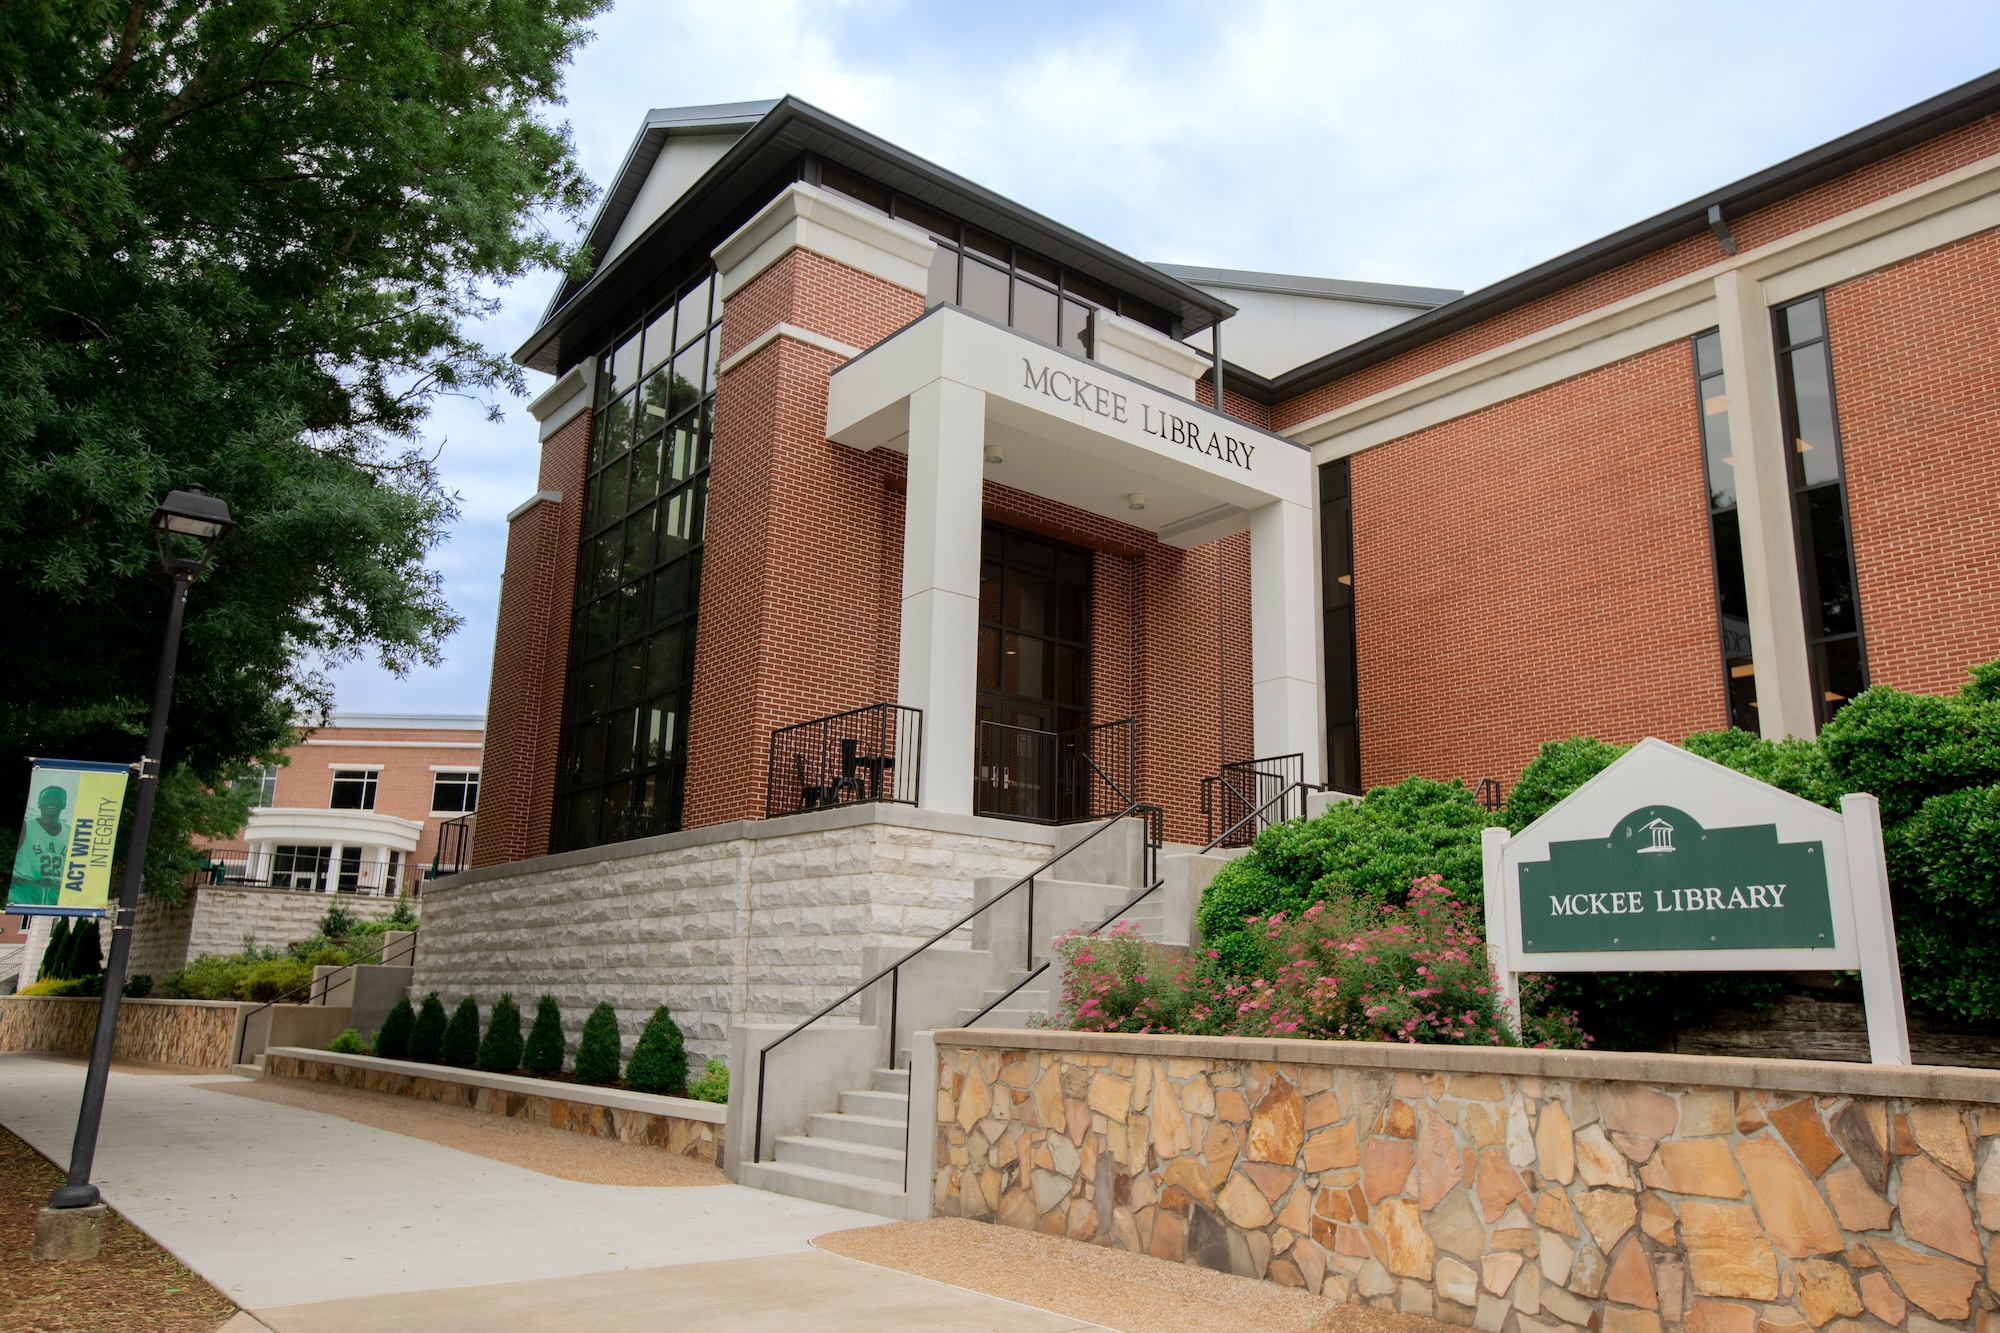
pixel 131 1284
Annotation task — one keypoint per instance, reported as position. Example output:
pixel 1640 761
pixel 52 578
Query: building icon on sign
pixel 1663 836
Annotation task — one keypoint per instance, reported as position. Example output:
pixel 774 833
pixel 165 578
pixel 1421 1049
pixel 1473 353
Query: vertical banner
pixel 69 838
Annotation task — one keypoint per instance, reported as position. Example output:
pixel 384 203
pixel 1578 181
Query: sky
pixel 1433 144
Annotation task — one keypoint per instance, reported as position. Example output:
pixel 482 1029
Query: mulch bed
pixel 132 1284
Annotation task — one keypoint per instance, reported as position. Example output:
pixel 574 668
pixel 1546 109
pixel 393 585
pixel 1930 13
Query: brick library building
pixel 861 484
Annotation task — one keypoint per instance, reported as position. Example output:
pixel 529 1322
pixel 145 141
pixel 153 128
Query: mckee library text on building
pixel 834 429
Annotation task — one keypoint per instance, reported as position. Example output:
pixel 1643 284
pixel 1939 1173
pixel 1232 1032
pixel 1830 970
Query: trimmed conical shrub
pixel 86 951
pixel 427 1037
pixel 461 1036
pixel 659 1061
pixel 597 1052
pixel 393 1041
pixel 500 1053
pixel 55 955
pixel 544 1053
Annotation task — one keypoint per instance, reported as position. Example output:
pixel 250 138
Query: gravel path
pixel 1135 1293
pixel 553 1152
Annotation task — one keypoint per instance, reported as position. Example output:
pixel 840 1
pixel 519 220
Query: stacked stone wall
pixel 191 1033
pixel 1512 1191
pixel 751 922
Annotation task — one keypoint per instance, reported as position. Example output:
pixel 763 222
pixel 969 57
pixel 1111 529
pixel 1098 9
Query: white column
pixel 940 646
pixel 1284 628
pixel 1875 931
pixel 1764 510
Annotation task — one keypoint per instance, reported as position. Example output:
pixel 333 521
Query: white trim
pixel 807 218
pixel 782 330
pixel 356 768
pixel 556 405
pixel 539 497
pixel 406 745
pixel 450 768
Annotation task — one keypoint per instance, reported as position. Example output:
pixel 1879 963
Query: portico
pixel 969 401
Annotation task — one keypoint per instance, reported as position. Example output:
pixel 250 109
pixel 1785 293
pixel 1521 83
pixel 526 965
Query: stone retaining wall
pixel 193 1033
pixel 758 922
pixel 1513 1191
pixel 677 1124
pixel 214 918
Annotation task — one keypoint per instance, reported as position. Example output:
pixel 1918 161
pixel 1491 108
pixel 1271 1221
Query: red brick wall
pixel 1899 171
pixel 1914 366
pixel 524 706
pixel 1536 570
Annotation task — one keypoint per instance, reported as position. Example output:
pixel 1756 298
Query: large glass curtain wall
pixel 1834 644
pixel 1005 283
pixel 1732 597
pixel 639 576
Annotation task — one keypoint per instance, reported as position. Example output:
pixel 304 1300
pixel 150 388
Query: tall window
pixel 267 787
pixel 353 789
pixel 1343 696
pixel 454 793
pixel 639 575
pixel 1732 598
pixel 1834 644
pixel 1003 282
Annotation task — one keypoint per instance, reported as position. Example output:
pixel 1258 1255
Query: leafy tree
pixel 461 1036
pixel 393 1041
pixel 597 1051
pixel 500 1053
pixel 427 1037
pixel 659 1061
pixel 240 246
pixel 544 1052
pixel 338 923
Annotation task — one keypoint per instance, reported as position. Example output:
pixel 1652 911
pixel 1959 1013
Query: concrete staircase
pixel 846 1145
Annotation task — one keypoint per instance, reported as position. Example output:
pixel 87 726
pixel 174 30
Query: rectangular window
pixel 353 789
pixel 454 793
pixel 1827 586
pixel 1732 598
pixel 267 783
pixel 300 867
pixel 1343 698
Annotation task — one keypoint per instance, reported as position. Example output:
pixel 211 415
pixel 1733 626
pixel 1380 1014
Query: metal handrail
pixel 243 1030
pixel 1143 894
pixel 893 970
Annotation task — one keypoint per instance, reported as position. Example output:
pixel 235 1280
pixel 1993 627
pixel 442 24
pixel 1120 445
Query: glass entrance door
pixel 1034 671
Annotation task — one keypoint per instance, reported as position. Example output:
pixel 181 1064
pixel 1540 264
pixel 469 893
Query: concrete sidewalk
pixel 313 1222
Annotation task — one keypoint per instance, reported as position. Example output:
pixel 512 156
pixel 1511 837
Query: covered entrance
pixel 1034 676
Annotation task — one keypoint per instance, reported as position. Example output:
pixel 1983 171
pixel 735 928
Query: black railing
pixel 325 984
pixel 454 846
pixel 1246 787
pixel 1488 795
pixel 865 754
pixel 1055 777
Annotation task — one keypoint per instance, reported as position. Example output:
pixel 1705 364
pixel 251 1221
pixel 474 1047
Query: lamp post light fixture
pixel 187 525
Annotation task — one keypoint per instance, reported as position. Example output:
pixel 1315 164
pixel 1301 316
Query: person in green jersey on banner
pixel 38 862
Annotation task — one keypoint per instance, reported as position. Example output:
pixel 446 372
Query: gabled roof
pixel 773 139
pixel 1328 289
pixel 1926 120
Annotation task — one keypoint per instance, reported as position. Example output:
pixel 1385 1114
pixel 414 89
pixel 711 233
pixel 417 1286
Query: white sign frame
pixel 1654 772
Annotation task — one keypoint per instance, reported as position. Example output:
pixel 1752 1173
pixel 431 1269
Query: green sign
pixel 1662 881
pixel 69 839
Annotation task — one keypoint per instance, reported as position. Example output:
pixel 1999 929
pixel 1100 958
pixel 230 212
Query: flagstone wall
pixel 191 1033
pixel 1512 1191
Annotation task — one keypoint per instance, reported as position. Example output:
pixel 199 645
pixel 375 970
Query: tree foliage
pixel 427 1037
pixel 500 1052
pixel 544 1051
pixel 392 1042
pixel 659 1062
pixel 241 246
pixel 598 1053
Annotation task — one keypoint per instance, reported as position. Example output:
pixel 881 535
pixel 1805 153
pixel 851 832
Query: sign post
pixel 1667 862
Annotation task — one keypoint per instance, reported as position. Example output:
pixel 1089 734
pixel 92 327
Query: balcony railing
pixel 454 846
pixel 1273 789
pixel 313 870
pixel 1055 777
pixel 865 754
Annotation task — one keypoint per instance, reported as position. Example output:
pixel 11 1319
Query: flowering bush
pixel 1340 970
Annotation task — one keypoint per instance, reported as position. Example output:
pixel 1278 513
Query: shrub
pixel 53 986
pixel 1372 850
pixel 427 1037
pixel 659 1061
pixel 713 1085
pixel 393 1041
pixel 500 1053
pixel 270 978
pixel 92 985
pixel 544 1051
pixel 403 916
pixel 86 948
pixel 55 954
pixel 349 1042
pixel 461 1036
pixel 1122 982
pixel 138 987
pixel 338 923
pixel 1558 768
pixel 597 1051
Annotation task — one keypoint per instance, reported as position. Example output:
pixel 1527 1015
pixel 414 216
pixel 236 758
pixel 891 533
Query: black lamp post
pixel 187 526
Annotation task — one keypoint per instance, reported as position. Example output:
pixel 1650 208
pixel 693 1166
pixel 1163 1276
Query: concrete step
pixel 249 1071
pixel 854 1159
pixel 889 1080
pixel 875 1131
pixel 881 1105
pixel 821 1186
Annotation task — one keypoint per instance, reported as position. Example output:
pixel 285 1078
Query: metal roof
pixel 1926 120
pixel 729 190
pixel 1334 289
